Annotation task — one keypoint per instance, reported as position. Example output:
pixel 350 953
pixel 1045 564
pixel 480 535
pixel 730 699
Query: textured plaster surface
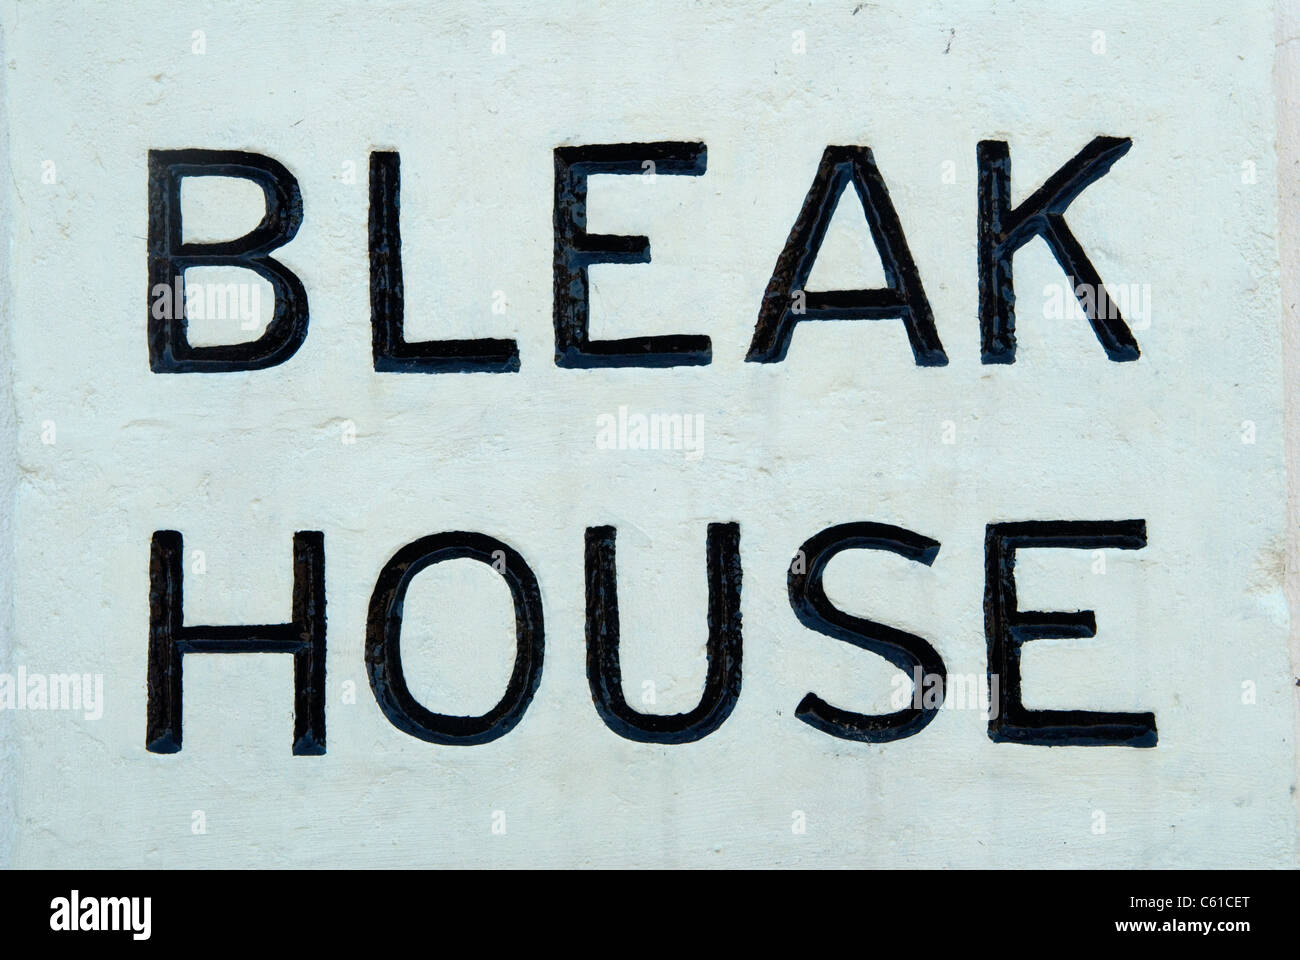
pixel 1194 627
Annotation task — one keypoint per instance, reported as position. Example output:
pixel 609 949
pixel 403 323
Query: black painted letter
pixel 1003 231
pixel 906 651
pixel 384 635
pixel 392 353
pixel 1007 628
pixel 722 680
pixel 902 298
pixel 170 257
pixel 576 250
pixel 170 640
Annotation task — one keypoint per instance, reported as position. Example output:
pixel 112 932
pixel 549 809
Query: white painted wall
pixel 1286 74
pixel 845 429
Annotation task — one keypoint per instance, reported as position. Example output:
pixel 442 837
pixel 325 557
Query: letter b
pixel 170 256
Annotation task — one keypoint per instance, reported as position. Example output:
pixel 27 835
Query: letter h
pixel 170 640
